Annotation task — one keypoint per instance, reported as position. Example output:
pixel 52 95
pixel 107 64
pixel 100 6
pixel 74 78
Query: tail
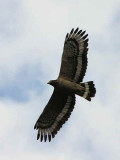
pixel 89 91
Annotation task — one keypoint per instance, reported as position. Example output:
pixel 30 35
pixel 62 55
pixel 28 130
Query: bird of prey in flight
pixel 66 86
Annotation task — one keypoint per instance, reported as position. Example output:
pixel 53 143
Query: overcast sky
pixel 31 43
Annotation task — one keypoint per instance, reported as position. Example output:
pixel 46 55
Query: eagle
pixel 66 86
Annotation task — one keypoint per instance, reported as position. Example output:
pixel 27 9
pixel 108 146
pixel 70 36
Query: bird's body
pixel 66 86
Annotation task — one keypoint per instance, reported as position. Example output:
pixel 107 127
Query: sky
pixel 31 44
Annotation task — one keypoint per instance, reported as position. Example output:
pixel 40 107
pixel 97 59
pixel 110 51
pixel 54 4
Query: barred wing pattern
pixel 55 114
pixel 73 68
pixel 74 58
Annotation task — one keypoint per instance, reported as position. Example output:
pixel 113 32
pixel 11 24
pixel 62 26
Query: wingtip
pixel 72 31
pixel 83 33
pixel 41 138
pixel 76 30
pixel 67 35
pixel 84 37
pixel 38 135
pixel 49 138
pixel 45 138
pixel 35 126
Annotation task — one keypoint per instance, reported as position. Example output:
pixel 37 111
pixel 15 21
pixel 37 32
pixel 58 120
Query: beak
pixel 48 82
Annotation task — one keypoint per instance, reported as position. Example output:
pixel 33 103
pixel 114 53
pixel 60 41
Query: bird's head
pixel 52 83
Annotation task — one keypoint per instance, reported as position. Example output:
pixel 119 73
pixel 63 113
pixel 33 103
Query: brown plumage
pixel 68 83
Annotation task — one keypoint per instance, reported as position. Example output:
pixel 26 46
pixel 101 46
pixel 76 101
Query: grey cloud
pixel 92 131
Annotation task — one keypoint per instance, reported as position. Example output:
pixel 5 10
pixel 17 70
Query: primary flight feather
pixel 68 83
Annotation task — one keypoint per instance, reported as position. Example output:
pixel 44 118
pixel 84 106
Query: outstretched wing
pixel 74 58
pixel 55 114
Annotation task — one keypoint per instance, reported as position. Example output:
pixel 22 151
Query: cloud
pixel 26 80
pixel 32 36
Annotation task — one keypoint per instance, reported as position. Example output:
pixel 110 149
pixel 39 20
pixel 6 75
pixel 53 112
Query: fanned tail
pixel 89 90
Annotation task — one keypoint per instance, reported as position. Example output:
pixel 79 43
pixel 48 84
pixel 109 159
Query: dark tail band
pixel 89 91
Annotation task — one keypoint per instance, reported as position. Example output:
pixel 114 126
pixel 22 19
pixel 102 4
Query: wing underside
pixel 73 68
pixel 55 114
pixel 74 58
